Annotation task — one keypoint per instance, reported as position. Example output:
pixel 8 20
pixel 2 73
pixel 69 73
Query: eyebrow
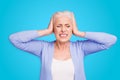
pixel 66 24
pixel 61 24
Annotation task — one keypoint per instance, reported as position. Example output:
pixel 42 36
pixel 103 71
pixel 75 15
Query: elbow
pixel 12 38
pixel 112 41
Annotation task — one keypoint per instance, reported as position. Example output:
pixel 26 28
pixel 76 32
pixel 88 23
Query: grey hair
pixel 62 13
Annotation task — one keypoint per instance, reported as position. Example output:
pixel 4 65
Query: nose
pixel 63 29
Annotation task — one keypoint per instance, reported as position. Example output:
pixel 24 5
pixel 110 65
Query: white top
pixel 62 69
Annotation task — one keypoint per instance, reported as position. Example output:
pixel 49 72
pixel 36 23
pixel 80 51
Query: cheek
pixel 69 29
pixel 56 31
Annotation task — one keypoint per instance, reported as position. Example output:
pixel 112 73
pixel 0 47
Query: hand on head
pixel 63 25
pixel 74 26
pixel 50 26
pixel 75 29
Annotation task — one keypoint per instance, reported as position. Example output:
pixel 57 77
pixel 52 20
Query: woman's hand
pixel 50 26
pixel 47 31
pixel 75 30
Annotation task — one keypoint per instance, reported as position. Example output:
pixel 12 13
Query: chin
pixel 63 40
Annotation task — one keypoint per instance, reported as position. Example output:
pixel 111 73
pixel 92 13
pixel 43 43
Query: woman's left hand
pixel 75 30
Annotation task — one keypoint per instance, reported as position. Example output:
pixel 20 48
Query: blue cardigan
pixel 95 41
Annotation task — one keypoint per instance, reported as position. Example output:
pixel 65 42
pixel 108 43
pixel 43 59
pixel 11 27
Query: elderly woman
pixel 62 59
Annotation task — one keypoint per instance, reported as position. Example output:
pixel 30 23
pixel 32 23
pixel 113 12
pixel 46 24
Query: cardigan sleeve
pixel 97 41
pixel 25 40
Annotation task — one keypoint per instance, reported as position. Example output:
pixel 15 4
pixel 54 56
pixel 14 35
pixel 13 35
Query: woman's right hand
pixel 47 31
pixel 50 26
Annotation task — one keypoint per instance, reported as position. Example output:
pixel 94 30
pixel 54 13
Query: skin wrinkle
pixel 62 24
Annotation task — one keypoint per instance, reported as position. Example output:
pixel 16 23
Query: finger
pixel 74 22
pixel 51 23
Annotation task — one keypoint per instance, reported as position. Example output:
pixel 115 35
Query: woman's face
pixel 63 28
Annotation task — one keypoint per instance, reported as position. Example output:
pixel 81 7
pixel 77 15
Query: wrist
pixel 80 34
pixel 48 31
pixel 43 32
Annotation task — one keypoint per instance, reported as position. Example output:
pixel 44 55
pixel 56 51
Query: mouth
pixel 63 35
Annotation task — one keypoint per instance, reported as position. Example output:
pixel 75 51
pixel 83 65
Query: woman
pixel 62 59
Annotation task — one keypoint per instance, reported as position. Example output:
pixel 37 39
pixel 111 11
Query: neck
pixel 62 45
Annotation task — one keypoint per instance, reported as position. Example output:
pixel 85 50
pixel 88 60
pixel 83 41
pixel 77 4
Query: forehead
pixel 63 19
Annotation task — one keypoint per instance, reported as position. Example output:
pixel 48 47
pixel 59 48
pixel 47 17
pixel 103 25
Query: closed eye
pixel 58 26
pixel 68 26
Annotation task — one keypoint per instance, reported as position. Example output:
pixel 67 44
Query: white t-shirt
pixel 62 69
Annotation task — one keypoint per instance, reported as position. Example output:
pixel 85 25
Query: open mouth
pixel 63 35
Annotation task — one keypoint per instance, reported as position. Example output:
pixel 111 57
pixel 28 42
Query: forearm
pixel 43 32
pixel 23 36
pixel 25 40
pixel 101 37
pixel 97 41
pixel 80 34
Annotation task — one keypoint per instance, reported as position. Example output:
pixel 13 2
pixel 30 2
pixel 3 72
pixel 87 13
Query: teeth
pixel 63 35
